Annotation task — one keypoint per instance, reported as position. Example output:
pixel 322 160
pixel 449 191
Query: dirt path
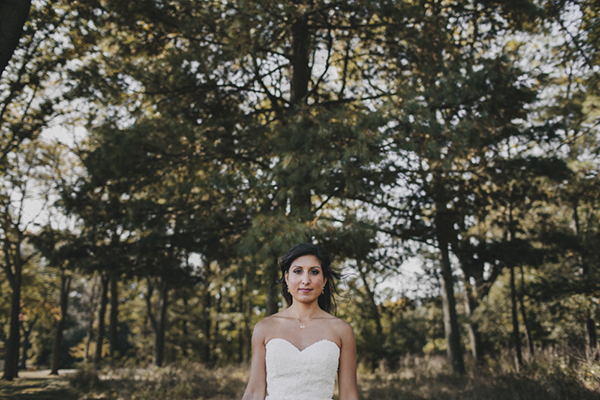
pixel 44 374
pixel 38 385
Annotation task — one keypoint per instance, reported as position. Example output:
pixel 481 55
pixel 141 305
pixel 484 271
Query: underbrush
pixel 551 376
pixel 174 382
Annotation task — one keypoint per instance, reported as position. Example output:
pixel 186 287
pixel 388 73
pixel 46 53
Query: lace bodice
pixel 307 374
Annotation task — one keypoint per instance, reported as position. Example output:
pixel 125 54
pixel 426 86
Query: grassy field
pixel 549 378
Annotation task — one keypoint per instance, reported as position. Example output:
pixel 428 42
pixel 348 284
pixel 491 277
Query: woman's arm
pixel 347 369
pixel 257 384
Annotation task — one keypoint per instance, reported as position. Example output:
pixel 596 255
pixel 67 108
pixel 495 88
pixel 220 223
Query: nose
pixel 305 278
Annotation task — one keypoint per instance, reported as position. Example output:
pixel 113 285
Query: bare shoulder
pixel 342 328
pixel 340 323
pixel 267 324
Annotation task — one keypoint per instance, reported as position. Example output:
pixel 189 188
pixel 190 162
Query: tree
pixel 454 104
pixel 27 102
pixel 570 114
pixel 13 14
pixel 251 114
pixel 18 186
pixel 61 250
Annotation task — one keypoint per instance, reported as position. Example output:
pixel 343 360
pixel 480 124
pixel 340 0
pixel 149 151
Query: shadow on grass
pixel 38 389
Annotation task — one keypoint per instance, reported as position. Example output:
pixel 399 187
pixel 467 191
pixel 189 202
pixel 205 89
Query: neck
pixel 305 311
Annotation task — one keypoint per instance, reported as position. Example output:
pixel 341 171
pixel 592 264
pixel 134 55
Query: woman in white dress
pixel 297 352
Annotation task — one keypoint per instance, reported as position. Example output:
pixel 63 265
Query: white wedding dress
pixel 307 374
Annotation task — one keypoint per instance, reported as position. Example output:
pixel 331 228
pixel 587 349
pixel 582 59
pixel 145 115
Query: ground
pixel 38 385
pixel 419 379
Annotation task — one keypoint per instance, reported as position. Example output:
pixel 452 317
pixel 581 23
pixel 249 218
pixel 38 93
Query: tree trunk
pixel 65 285
pixel 524 315
pixel 300 60
pixel 300 201
pixel 218 310
pixel 92 314
pixel 451 328
pixel 473 327
pixel 590 323
pixel 11 364
pixel 184 327
pixel 513 294
pixel 158 324
pixel 242 327
pixel 272 287
pixel 375 315
pixel 207 350
pixel 515 321
pixel 13 15
pixel 26 345
pixel 454 350
pixel 590 328
pixel 113 334
pixel 101 320
pixel 161 326
pixel 246 333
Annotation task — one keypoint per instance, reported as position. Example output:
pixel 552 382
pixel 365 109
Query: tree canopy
pixel 460 136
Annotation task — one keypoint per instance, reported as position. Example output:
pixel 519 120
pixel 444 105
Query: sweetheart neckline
pixel 311 345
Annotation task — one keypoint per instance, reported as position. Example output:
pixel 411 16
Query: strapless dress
pixel 307 374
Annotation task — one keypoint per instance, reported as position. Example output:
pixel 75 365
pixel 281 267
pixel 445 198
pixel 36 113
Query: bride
pixel 297 352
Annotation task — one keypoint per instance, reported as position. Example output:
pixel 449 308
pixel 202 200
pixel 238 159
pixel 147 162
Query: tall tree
pixel 27 101
pixel 13 14
pixel 255 113
pixel 18 186
pixel 60 250
pixel 455 103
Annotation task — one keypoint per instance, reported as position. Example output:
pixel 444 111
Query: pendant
pixel 302 326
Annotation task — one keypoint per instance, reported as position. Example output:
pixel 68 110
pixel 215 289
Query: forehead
pixel 307 261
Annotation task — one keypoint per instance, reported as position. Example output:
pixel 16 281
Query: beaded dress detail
pixel 307 374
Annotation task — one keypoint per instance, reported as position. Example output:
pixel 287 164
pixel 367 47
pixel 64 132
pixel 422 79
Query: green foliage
pixel 219 134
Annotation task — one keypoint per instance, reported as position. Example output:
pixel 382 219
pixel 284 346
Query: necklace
pixel 302 325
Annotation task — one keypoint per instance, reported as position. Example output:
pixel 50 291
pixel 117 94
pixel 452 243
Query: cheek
pixel 291 279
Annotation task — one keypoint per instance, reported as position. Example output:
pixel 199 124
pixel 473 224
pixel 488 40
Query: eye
pixel 315 272
pixel 297 271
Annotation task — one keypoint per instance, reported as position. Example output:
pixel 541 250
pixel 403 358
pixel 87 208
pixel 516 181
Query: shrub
pixel 85 378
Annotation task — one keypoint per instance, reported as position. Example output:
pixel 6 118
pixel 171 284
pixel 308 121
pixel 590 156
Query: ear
pixel 286 278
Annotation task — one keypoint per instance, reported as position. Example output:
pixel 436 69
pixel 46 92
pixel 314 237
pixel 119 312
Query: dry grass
pixel 51 388
pixel 183 382
pixel 552 376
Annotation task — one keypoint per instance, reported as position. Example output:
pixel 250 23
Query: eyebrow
pixel 302 266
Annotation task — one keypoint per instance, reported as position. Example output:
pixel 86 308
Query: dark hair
pixel 326 301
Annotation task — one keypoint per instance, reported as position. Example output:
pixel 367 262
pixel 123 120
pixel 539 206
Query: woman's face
pixel 305 279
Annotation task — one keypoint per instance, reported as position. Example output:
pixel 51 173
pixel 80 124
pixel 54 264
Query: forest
pixel 157 157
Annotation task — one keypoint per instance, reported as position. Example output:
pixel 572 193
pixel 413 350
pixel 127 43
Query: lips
pixel 304 290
